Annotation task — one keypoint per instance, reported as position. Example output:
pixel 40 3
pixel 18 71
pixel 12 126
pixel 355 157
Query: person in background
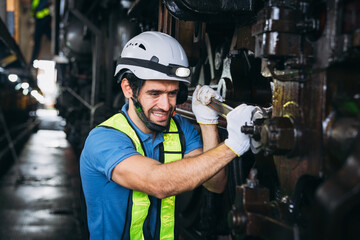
pixel 134 164
pixel 41 13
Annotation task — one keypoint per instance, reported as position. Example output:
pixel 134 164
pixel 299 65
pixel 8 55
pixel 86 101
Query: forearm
pixel 210 136
pixel 189 173
pixel 211 140
pixel 147 175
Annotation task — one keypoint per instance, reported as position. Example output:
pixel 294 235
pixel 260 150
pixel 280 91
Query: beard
pixel 159 116
pixel 155 119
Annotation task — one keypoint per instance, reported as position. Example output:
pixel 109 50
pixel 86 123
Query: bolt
pixel 248 129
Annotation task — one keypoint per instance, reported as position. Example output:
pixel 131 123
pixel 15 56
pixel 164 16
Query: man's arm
pixel 208 120
pixel 210 138
pixel 163 180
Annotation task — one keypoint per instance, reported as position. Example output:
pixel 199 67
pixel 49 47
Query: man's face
pixel 158 100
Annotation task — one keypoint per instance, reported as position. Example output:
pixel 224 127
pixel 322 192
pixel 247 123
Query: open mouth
pixel 158 116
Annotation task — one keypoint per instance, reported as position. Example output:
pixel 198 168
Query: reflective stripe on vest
pixel 34 4
pixel 141 202
pixel 42 13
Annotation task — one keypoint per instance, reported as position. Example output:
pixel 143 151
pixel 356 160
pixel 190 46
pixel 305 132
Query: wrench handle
pixel 221 108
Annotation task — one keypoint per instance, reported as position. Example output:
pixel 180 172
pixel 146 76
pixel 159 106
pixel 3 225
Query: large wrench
pixel 221 108
pixel 252 130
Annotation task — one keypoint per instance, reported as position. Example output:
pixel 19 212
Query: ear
pixel 125 86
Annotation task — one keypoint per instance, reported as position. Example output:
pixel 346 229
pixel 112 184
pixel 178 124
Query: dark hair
pixel 137 83
pixel 134 82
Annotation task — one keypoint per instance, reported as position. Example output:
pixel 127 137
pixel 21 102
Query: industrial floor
pixel 40 193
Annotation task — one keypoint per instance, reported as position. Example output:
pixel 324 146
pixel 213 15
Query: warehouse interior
pixel 297 61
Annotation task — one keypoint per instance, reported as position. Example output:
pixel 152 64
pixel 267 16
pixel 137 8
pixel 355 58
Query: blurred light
pixel 25 85
pixel 40 98
pixel 36 63
pixel 46 80
pixel 18 86
pixel 13 77
pixel 61 59
pixel 25 91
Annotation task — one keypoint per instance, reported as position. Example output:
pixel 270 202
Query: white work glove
pixel 201 98
pixel 237 141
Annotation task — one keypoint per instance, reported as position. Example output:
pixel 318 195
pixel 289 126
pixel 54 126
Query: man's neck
pixel 137 121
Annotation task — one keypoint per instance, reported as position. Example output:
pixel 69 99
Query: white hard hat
pixel 154 55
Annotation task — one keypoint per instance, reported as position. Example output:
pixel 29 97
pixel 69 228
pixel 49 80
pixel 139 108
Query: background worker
pixel 41 12
pixel 134 163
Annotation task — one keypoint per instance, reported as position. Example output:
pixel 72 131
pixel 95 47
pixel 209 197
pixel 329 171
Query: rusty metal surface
pixel 314 119
pixel 276 33
pixel 314 122
pixel 286 93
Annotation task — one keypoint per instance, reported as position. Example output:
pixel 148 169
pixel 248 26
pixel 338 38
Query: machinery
pixel 17 99
pixel 296 60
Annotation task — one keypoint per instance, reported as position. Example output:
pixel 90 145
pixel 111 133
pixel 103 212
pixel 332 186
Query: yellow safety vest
pixel 172 151
pixel 39 14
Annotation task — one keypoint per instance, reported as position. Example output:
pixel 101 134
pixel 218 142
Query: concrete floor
pixel 40 194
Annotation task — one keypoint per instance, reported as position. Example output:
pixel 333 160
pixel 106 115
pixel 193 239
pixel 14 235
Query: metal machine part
pixel 225 81
pixel 253 214
pixel 281 36
pixel 339 136
pixel 17 105
pixel 259 139
pixel 259 115
pixel 306 50
pixel 338 201
pixel 77 40
pixel 275 136
pixel 279 136
pixel 221 108
pixel 200 11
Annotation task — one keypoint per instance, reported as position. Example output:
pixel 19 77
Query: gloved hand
pixel 201 98
pixel 237 141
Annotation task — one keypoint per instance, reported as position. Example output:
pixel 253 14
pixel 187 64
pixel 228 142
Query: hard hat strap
pixel 150 125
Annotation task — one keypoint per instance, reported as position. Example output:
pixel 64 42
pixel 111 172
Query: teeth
pixel 159 114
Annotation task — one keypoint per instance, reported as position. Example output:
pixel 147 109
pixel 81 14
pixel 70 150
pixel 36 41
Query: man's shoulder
pixel 103 134
pixel 102 130
pixel 182 121
pixel 102 140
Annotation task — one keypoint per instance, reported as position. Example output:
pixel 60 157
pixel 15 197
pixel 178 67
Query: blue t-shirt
pixel 107 201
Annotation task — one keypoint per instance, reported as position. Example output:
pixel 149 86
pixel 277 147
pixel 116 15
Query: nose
pixel 164 102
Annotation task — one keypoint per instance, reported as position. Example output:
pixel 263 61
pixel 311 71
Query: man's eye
pixel 172 94
pixel 154 94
